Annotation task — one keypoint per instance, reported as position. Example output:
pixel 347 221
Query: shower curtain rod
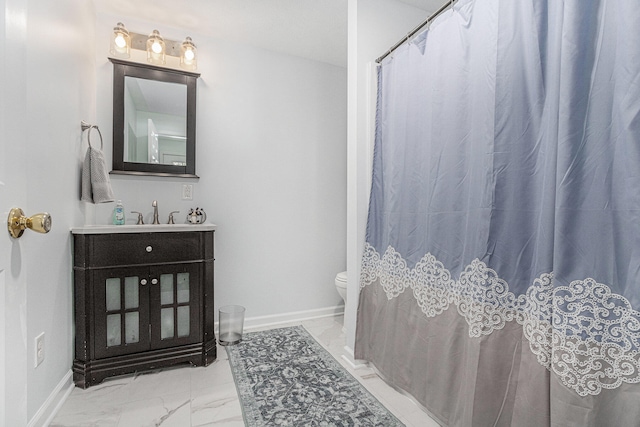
pixel 418 28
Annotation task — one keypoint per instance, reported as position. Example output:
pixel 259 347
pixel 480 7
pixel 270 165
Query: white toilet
pixel 341 285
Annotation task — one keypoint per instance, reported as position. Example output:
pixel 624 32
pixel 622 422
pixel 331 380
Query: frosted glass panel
pixel 131 327
pixel 131 298
pixel 166 320
pixel 113 294
pixel 114 336
pixel 183 288
pixel 166 289
pixel 183 321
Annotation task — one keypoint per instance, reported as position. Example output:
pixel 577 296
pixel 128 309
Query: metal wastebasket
pixel 231 321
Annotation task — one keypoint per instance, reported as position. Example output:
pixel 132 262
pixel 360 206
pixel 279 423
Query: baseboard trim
pixel 284 318
pixel 54 402
pixel 350 359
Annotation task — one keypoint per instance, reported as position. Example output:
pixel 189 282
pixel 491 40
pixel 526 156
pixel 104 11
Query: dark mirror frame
pixel 121 69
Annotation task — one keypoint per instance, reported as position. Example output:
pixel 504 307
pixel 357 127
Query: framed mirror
pixel 154 120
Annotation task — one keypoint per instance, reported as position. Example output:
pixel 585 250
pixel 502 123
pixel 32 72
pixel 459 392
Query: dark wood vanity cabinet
pixel 142 301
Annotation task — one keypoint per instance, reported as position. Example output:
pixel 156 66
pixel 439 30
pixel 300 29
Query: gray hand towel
pixel 96 186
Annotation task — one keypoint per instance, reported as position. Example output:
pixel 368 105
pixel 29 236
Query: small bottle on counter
pixel 118 213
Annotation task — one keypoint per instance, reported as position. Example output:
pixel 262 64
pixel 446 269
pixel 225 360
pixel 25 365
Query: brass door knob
pixel 17 222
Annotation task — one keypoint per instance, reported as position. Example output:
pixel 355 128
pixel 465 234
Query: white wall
pixel 50 89
pixel 374 26
pixel 271 156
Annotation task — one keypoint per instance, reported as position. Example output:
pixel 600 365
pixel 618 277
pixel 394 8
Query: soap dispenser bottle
pixel 118 213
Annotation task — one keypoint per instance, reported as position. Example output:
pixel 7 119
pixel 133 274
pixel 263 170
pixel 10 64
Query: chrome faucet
pixel 171 221
pixel 156 220
pixel 140 220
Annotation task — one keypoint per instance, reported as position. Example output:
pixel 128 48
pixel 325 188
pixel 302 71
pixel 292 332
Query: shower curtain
pixel 500 282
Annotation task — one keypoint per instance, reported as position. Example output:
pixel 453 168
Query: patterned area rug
pixel 285 378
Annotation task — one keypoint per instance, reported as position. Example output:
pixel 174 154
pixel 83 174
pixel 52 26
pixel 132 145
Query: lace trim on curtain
pixel 586 334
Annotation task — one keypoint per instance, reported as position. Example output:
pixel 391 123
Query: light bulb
pixel 120 41
pixel 155 48
pixel 188 55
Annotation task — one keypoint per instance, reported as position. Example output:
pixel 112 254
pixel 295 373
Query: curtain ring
pixel 99 133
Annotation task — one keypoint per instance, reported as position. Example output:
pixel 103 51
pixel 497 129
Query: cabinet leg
pixel 210 352
pixel 81 375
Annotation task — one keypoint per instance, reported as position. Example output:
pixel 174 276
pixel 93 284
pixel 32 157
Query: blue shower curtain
pixel 500 283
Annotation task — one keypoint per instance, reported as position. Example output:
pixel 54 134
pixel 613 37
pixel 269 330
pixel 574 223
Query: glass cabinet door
pixel 175 305
pixel 122 311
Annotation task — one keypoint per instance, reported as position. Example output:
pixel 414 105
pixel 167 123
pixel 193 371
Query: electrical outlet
pixel 187 191
pixel 39 349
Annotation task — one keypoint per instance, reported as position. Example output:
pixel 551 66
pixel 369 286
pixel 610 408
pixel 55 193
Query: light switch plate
pixel 187 191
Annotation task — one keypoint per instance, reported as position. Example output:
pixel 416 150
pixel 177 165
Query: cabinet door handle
pixel 149 248
pixel 143 282
pixel 154 281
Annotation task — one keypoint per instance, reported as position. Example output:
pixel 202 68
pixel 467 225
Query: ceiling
pixel 313 29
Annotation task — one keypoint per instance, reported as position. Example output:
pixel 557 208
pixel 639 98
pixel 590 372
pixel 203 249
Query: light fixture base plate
pixel 139 42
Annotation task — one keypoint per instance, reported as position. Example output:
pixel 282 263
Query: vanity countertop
pixel 145 228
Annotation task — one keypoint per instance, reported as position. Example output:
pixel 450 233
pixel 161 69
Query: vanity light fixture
pixel 120 41
pixel 188 55
pixel 157 47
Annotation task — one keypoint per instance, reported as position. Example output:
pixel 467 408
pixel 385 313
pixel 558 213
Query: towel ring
pixel 84 125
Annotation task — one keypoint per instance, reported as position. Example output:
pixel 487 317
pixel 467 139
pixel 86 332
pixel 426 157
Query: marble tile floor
pixel 206 396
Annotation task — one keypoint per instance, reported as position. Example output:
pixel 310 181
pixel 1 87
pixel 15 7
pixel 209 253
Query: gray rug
pixel 285 378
